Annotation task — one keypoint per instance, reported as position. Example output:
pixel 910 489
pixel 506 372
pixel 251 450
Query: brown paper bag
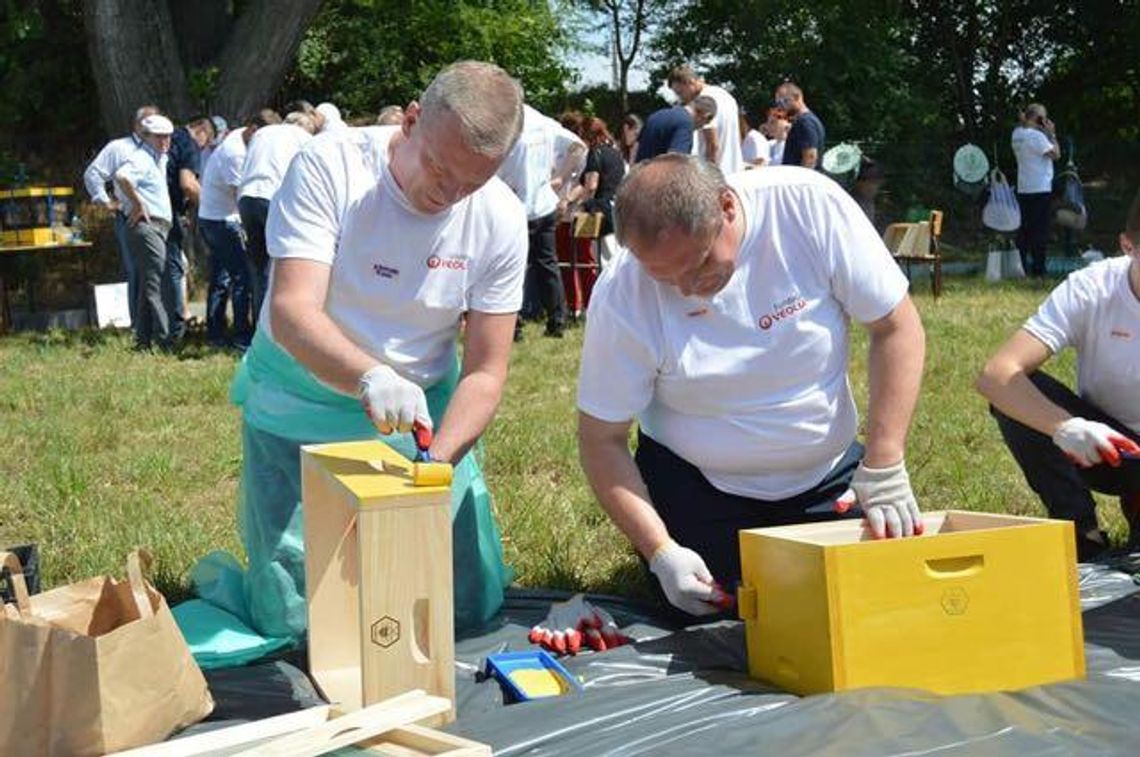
pixel 94 667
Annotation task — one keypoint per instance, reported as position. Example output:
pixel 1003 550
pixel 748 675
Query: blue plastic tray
pixel 502 665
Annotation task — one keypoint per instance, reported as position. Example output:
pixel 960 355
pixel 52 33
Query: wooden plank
pixel 234 736
pixel 355 727
pixel 418 741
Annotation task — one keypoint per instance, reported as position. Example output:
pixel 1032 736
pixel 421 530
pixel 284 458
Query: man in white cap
pixel 95 178
pixel 146 203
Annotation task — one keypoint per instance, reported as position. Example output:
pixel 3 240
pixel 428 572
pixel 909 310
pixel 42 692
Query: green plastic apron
pixel 283 407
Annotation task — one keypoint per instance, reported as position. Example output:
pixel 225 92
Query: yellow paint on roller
pixel 431 474
pixel 538 683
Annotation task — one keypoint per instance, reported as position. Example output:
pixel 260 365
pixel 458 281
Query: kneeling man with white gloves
pixel 725 335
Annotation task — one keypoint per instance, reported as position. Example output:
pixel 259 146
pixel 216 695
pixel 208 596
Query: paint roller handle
pixel 422 434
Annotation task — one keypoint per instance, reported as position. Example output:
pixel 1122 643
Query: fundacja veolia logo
pixel 783 310
pixel 451 264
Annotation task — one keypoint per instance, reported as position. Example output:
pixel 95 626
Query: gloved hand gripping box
pixel 978 603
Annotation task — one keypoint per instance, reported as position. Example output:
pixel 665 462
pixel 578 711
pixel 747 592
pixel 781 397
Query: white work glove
pixel 887 501
pixel 391 401
pixel 1088 443
pixel 571 622
pixel 686 580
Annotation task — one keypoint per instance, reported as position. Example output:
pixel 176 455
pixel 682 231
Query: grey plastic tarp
pixel 686 691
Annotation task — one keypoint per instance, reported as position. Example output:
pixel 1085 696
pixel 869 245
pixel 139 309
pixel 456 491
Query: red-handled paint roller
pixel 425 471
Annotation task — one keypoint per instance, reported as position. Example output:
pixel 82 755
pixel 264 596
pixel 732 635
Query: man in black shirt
pixel 804 146
pixel 671 129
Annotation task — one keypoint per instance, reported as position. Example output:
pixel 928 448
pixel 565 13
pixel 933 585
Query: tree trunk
pixel 259 53
pixel 203 28
pixel 134 59
pixel 135 53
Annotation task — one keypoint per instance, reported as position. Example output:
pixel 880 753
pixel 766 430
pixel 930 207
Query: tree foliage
pixel 47 86
pixel 913 80
pixel 365 54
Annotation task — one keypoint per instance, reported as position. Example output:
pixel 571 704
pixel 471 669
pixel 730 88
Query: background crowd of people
pixel 168 186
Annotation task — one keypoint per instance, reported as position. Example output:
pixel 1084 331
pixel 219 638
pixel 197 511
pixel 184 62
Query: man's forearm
pixel 712 145
pixel 618 486
pixel 897 352
pixel 315 340
pixel 470 411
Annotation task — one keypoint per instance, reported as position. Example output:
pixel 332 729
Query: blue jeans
pixel 230 274
pixel 127 260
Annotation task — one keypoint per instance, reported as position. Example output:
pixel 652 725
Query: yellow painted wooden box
pixel 978 603
pixel 378 576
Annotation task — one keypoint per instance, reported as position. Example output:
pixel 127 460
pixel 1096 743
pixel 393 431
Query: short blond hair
pixel 485 99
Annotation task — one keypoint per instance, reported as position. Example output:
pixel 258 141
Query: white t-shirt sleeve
pixel 864 277
pixel 305 215
pixel 1061 316
pixel 500 288
pixel 619 364
pixel 231 168
pixel 1040 143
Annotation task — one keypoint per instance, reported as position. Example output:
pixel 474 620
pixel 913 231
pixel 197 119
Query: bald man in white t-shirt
pixel 724 335
pixel 383 239
pixel 1072 443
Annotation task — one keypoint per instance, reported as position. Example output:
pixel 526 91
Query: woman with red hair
pixel 604 171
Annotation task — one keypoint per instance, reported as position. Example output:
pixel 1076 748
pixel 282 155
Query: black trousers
pixel 706 520
pixel 543 277
pixel 1065 488
pixel 1033 234
pixel 254 213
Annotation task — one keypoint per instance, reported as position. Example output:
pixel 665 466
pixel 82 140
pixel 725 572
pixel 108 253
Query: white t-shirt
pixel 755 147
pixel 267 158
pixel 753 389
pixel 222 178
pixel 401 279
pixel 1095 312
pixel 777 146
pixel 1034 169
pixel 531 163
pixel 727 125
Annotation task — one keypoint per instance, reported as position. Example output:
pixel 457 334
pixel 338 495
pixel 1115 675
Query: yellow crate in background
pixel 978 603
pixel 36 216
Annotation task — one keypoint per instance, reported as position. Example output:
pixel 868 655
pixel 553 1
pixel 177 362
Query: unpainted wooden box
pixel 378 576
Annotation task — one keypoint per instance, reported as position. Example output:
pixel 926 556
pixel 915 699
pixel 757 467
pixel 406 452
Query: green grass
pixel 103 449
